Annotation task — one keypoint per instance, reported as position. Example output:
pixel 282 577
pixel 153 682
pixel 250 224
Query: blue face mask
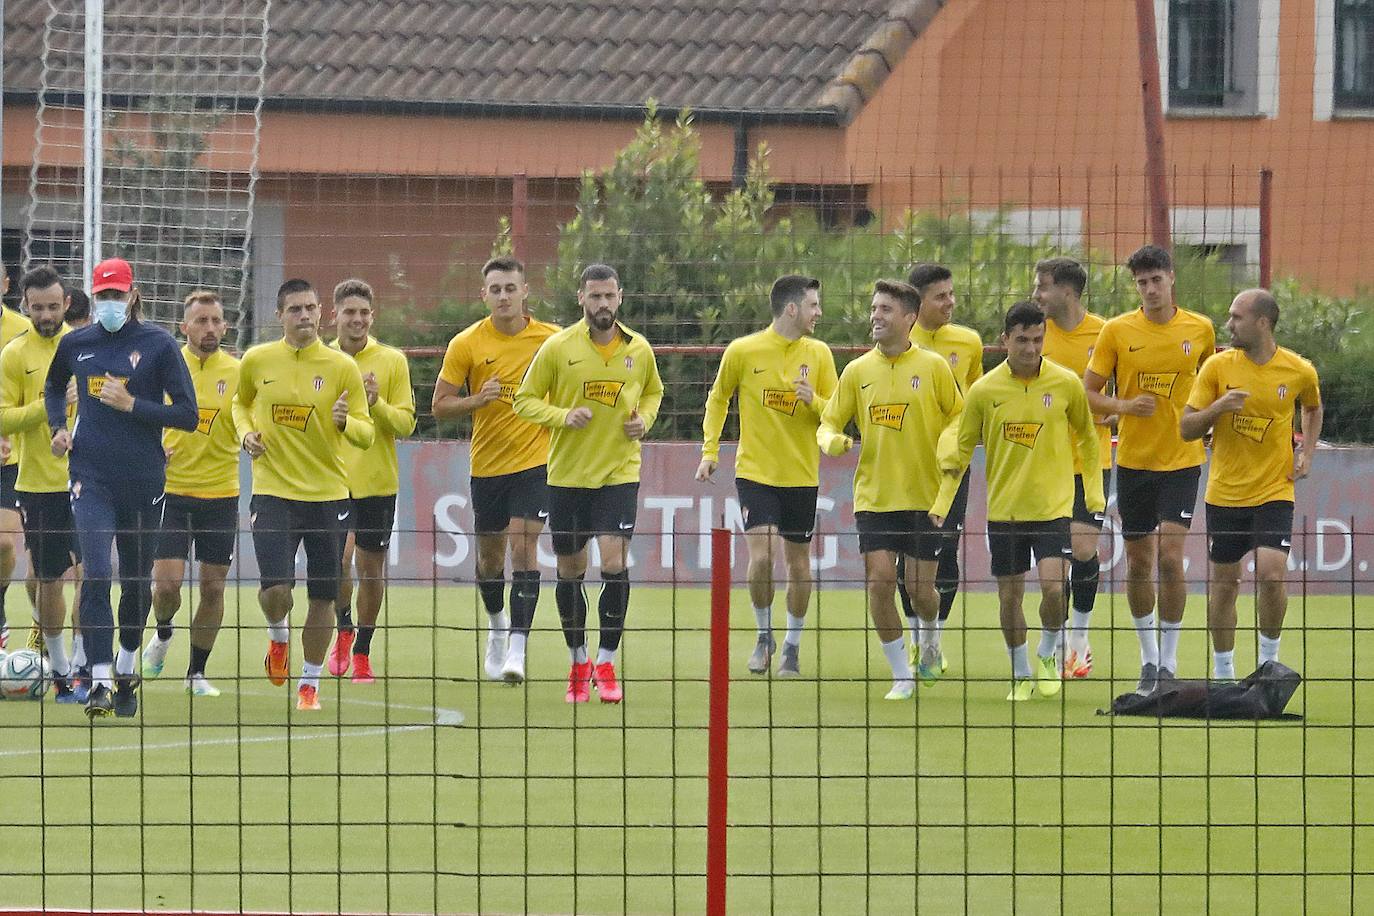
pixel 111 313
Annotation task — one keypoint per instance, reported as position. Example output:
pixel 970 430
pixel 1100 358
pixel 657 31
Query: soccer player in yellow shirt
pixel 1070 335
pixel 962 348
pixel 903 399
pixel 1154 353
pixel 509 458
pixel 12 324
pixel 784 378
pixel 202 504
pixel 1032 417
pixel 1247 396
pixel 596 385
pixel 298 402
pixel 41 484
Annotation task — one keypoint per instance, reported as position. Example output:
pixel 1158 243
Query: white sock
pixel 1149 643
pixel 1224 665
pixel 913 626
pixel 930 633
pixel 605 655
pixel 794 630
pixel 1078 629
pixel 1168 644
pixel 124 661
pixel 763 616
pixel 579 655
pixel 310 675
pixel 1268 649
pixel 516 649
pixel 896 659
pixel 279 631
pixel 57 654
pixel 101 674
pixel 78 651
pixel 1020 660
pixel 498 623
pixel 1049 642
pixel 940 623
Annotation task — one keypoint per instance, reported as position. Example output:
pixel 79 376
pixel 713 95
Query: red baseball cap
pixel 113 273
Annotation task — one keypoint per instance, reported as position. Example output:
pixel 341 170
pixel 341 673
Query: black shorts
pixel 212 525
pixel 1080 501
pixel 1146 498
pixel 280 526
pixel 497 500
pixel 907 533
pixel 9 496
pixel 1012 544
pixel 50 533
pixel 792 510
pixel 1234 531
pixel 371 522
pixel 577 514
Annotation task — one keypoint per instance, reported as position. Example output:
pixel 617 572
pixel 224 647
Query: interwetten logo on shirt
pixel 1157 383
pixel 207 419
pixel 96 383
pixel 603 392
pixel 1023 434
pixel 888 415
pixel 292 416
pixel 1252 428
pixel 783 400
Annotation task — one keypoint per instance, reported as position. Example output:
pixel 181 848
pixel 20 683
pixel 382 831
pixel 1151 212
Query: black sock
pixel 164 630
pixel 493 595
pixel 363 644
pixel 572 611
pixel 524 598
pixel 3 619
pixel 615 601
pixel 1083 581
pixel 908 609
pixel 343 617
pixel 199 657
pixel 947 577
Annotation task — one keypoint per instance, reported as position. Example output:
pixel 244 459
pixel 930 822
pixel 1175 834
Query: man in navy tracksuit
pixel 126 370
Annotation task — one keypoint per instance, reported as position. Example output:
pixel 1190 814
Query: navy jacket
pixel 109 444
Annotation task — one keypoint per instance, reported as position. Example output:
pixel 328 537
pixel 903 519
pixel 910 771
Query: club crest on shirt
pixel 1157 383
pixel 890 416
pixel 1252 428
pixel 221 386
pixel 1187 348
pixel 954 360
pixel 1047 400
pixel 915 383
pixel 207 418
pixel 318 382
pixel 1023 434
pixel 134 357
pixel 603 392
pixel 1283 392
pixel 292 416
pixel 783 400
pixel 804 370
pixel 629 362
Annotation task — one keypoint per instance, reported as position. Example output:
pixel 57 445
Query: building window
pixel 1354 49
pixel 1213 55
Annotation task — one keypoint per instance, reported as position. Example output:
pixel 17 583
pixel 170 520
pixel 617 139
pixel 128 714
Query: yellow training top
pixel 902 406
pixel 1072 350
pixel 502 443
pixel 374 471
pixel 1157 359
pixel 777 432
pixel 12 324
pixel 1031 431
pixel 569 372
pixel 288 395
pixel 23 373
pixel 205 464
pixel 960 346
pixel 1252 449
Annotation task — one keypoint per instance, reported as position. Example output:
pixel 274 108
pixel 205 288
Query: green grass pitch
pixel 838 801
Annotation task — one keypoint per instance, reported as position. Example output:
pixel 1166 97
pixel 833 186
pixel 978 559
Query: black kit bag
pixel 1262 695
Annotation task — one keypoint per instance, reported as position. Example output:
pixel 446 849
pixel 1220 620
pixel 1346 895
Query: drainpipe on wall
pixel 741 168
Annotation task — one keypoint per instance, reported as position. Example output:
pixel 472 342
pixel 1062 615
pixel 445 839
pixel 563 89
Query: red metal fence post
pixel 718 738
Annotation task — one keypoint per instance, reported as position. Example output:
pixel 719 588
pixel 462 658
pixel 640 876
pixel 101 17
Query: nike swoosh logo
pixel 543 514
pixel 865 385
pixel 757 371
pixel 267 381
pixel 996 404
pixel 1232 387
pixel 1285 543
pixel 85 356
pixel 30 371
pixel 159 499
pixel 490 361
pixel 1185 515
pixel 626 526
pixel 1133 349
pixel 344 516
pixel 574 362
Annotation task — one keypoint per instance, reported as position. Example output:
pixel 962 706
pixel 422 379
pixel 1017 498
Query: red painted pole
pixel 718 738
pixel 1152 109
pixel 1266 227
pixel 519 214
